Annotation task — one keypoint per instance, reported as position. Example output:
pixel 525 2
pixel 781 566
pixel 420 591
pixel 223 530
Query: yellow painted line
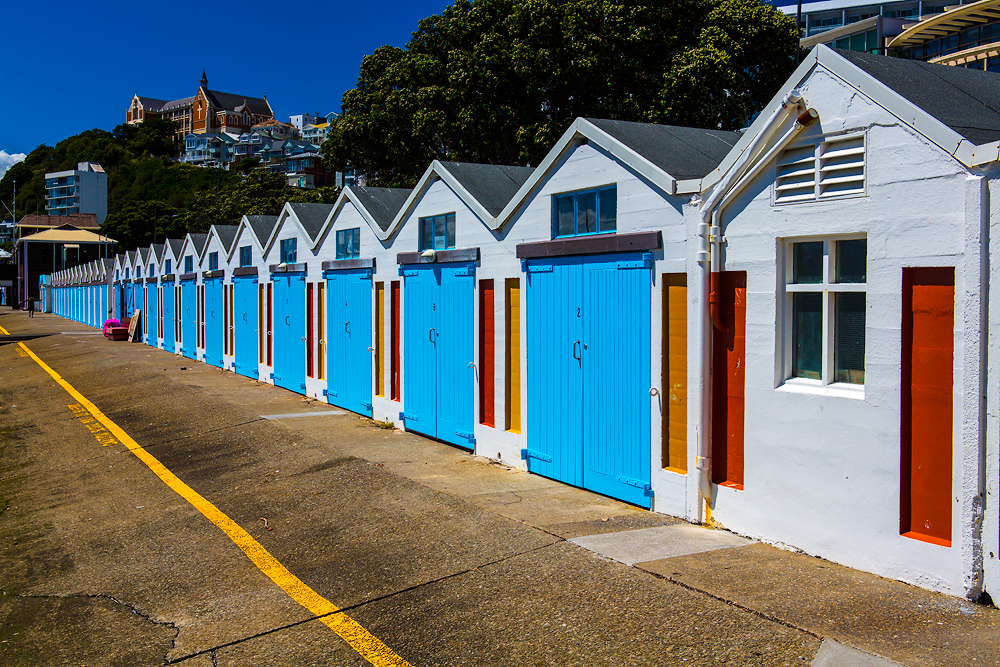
pixel 358 638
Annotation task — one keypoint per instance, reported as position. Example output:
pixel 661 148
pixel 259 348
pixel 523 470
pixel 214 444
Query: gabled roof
pixel 183 102
pixel 231 102
pixel 262 226
pixel 966 100
pixel 311 216
pixel 673 158
pixel 226 234
pixel 378 206
pixel 683 152
pixel 176 245
pixel 382 204
pixel 494 183
pixel 928 98
pixel 151 103
pixel 157 249
pixel 491 185
pixel 143 255
pixel 198 241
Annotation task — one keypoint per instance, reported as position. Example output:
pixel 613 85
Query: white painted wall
pixel 822 467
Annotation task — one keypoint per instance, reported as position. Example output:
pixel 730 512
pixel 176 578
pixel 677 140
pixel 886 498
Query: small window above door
pixel 585 212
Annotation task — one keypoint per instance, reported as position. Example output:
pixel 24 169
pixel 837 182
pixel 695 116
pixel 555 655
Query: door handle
pixel 347 327
pixel 371 349
pixel 286 320
pixel 244 317
pixel 575 355
pixel 303 339
pixel 430 334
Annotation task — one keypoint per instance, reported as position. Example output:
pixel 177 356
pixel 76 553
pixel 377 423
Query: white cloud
pixel 7 161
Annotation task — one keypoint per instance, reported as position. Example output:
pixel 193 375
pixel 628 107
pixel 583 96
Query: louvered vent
pixel 795 179
pixel 842 167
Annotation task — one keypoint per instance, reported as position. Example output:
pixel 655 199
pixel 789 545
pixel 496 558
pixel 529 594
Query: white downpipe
pixel 709 256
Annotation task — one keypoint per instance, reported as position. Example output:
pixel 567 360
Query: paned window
pixel 246 255
pixel 213 261
pixel 288 250
pixel 150 270
pixel 585 212
pixel 168 267
pixel 188 264
pixel 437 232
pixel 348 243
pixel 126 274
pixel 825 286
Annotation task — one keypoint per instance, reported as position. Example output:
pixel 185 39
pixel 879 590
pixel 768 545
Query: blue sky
pixel 66 67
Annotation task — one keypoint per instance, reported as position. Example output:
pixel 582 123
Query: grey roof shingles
pixel 491 185
pixel 199 241
pixel 232 102
pixel 227 234
pixel 262 226
pixel 682 152
pixel 158 251
pixel 966 100
pixel 311 216
pixel 175 246
pixel 381 203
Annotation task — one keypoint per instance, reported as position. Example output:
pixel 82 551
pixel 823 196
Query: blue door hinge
pixel 539 268
pixel 333 393
pixel 647 488
pixel 471 437
pixel 303 385
pixel 469 270
pixel 530 453
pixel 325 392
pixel 367 406
pixel 404 415
pixel 273 377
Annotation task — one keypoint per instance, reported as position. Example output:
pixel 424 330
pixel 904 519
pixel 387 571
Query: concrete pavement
pixel 445 557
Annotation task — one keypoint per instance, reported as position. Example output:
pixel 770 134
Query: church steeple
pixel 204 80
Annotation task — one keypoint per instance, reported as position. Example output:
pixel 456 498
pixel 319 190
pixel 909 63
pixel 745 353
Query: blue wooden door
pixel 129 299
pixel 188 315
pixel 104 303
pixel 290 331
pixel 349 339
pixel 245 309
pixel 554 328
pixel 168 316
pixel 419 350
pixel 616 378
pixel 588 323
pixel 456 354
pixel 152 333
pixel 213 322
pixel 357 351
pixel 336 337
pixel 439 348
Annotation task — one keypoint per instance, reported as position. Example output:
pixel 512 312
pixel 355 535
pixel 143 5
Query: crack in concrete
pixel 102 596
pixel 358 605
pixel 732 603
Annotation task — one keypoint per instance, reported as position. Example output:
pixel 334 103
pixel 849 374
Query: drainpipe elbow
pixel 704 484
pixel 713 303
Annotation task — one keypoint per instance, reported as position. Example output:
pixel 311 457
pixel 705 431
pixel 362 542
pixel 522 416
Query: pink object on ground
pixel 109 324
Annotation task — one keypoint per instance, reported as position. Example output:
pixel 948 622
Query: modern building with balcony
pixel 858 26
pixel 81 190
pixel 966 35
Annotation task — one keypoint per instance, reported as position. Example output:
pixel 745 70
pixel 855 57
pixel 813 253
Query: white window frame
pixel 819 144
pixel 828 287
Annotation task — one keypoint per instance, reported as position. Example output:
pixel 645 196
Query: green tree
pixel 498 81
pixel 133 225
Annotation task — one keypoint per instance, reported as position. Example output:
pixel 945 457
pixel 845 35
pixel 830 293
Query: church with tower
pixel 206 112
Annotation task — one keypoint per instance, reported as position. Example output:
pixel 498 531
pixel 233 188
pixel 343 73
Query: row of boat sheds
pixel 787 332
